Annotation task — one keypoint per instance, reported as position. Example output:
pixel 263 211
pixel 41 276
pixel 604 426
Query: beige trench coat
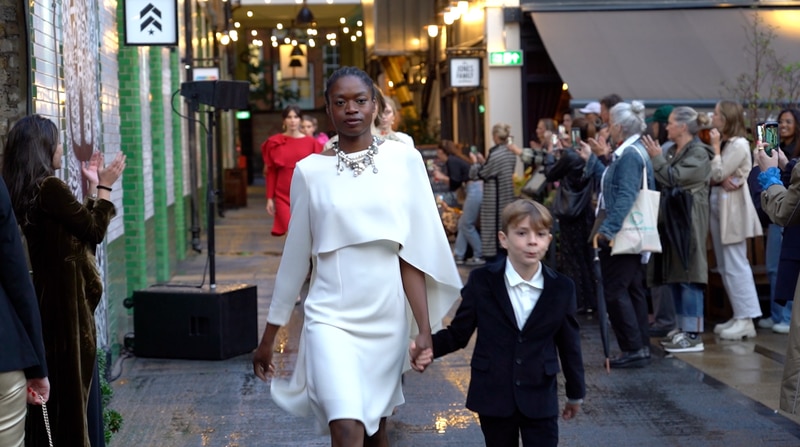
pixel 738 219
pixel 783 207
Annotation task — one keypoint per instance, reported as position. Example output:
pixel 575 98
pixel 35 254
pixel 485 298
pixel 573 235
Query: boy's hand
pixel 420 358
pixel 570 411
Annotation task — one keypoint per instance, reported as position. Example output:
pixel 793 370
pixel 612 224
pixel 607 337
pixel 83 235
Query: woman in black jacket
pixel 574 222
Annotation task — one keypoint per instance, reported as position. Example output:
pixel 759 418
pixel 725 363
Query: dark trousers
pixel 505 432
pixel 626 299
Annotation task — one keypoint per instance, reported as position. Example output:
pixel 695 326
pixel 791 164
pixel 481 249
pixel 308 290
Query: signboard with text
pixel 151 22
pixel 465 72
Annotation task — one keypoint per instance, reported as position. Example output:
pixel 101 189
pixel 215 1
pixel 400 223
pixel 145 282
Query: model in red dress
pixel 281 152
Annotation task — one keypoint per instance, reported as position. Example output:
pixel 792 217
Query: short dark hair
pixel 519 209
pixel 348 71
pixel 610 100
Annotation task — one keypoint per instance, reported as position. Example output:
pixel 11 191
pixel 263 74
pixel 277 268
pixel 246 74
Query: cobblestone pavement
pixel 177 403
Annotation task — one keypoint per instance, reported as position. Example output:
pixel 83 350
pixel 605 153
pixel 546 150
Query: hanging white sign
pixel 151 22
pixel 465 72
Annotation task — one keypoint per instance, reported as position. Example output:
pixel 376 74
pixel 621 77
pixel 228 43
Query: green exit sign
pixel 243 115
pixel 507 58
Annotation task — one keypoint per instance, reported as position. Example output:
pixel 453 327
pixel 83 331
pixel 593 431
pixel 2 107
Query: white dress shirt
pixel 523 294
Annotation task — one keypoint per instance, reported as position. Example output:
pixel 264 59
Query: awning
pixel 680 56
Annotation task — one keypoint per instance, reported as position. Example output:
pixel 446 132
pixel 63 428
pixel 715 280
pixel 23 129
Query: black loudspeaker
pixel 219 94
pixel 192 323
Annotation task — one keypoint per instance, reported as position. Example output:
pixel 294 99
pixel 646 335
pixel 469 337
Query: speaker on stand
pixel 209 323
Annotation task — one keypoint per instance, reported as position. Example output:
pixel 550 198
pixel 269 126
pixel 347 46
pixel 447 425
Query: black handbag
pixel 571 204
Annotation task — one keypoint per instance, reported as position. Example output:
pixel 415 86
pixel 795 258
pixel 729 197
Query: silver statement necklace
pixel 357 163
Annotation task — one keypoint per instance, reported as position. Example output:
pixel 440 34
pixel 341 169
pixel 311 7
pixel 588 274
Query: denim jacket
pixel 621 184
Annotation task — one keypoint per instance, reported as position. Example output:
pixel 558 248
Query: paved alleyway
pixel 725 396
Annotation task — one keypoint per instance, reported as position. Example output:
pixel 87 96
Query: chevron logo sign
pixel 151 18
pixel 151 22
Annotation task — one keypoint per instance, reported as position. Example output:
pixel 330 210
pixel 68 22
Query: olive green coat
pixel 783 207
pixel 691 170
pixel 62 236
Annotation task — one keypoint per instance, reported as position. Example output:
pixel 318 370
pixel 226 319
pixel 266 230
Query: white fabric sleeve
pixel 295 261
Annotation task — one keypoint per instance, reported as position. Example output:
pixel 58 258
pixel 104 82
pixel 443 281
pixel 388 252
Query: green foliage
pixel 112 420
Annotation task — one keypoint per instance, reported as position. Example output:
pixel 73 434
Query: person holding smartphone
pixel 733 218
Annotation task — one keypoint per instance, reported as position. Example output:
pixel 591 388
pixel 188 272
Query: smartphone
pixel 562 131
pixel 554 139
pixel 510 140
pixel 473 149
pixel 767 132
pixel 772 136
pixel 576 137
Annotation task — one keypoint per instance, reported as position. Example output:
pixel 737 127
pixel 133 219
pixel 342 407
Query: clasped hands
pixel 421 352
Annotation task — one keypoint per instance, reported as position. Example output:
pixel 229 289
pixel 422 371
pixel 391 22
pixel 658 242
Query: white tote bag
pixel 639 232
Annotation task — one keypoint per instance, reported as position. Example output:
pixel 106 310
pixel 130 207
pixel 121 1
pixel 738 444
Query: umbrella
pixel 677 221
pixel 601 302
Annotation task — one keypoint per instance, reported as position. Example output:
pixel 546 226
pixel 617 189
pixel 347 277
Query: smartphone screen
pixel 576 137
pixel 562 131
pixel 771 136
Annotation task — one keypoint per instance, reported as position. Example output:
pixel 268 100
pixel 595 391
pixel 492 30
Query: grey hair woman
pixel 686 166
pixel 623 274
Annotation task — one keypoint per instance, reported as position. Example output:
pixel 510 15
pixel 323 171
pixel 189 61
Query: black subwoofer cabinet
pixel 194 323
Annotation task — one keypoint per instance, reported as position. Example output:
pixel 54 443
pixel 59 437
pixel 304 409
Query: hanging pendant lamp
pixel 304 16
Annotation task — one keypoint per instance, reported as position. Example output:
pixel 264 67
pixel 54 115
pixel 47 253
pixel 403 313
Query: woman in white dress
pixel 364 214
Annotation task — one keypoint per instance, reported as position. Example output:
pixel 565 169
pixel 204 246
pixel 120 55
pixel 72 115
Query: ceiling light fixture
pixel 304 16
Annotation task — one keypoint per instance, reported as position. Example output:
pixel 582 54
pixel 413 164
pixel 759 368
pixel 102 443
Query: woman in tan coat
pixel 783 207
pixel 733 218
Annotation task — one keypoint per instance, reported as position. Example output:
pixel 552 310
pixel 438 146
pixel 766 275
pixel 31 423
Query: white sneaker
pixel 780 328
pixel 740 328
pixel 722 326
pixel 766 323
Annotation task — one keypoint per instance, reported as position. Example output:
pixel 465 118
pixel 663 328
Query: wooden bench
pixel 717 304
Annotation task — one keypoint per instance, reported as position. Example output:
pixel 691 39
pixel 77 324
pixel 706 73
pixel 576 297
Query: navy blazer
pixel 511 368
pixel 20 321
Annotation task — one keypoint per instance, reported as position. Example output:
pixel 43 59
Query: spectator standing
pixel 687 165
pixel 623 274
pixel 661 295
pixel 574 254
pixel 782 205
pixel 457 175
pixel 733 218
pixel 497 172
pixel 783 244
pixel 23 368
pixel 62 235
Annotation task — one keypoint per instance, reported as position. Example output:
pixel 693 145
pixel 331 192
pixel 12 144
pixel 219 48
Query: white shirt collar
pixel 513 279
pixel 632 139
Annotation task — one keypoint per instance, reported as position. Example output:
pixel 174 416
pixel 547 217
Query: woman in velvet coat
pixel 62 234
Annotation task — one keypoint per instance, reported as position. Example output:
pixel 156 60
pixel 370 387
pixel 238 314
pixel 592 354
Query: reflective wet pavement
pixel 725 396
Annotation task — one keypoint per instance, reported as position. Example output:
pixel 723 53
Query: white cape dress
pixel 354 229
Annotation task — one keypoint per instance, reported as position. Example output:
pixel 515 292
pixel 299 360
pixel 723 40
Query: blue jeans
pixel 778 313
pixel 467 233
pixel 688 306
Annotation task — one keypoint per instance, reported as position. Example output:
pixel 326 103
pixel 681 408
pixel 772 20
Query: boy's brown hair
pixel 518 210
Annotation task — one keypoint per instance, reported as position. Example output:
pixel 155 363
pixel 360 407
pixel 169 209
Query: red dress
pixel 281 153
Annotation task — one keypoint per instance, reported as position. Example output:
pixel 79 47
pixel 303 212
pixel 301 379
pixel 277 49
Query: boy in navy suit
pixel 524 312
